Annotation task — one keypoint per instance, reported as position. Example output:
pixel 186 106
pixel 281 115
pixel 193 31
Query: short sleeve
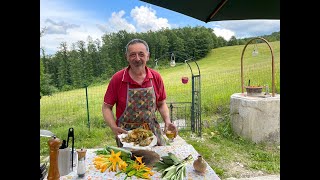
pixel 111 95
pixel 160 89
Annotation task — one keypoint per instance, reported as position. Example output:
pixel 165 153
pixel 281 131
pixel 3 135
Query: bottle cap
pixel 81 153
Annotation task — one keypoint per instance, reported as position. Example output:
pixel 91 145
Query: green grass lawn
pixel 220 78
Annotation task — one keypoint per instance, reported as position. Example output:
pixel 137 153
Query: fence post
pixel 171 108
pixel 88 116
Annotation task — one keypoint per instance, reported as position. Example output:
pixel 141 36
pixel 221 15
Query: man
pixel 138 91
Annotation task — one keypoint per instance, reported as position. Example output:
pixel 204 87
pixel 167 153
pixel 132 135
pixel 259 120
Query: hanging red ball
pixel 184 80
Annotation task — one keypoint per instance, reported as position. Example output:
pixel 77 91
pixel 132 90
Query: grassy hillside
pixel 220 78
pixel 221 75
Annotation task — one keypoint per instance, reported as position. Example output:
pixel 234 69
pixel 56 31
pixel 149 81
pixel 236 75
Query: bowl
pixel 254 90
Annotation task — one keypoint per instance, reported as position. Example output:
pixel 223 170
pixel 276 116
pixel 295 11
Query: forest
pixel 93 62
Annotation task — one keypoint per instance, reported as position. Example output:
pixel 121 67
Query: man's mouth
pixel 137 63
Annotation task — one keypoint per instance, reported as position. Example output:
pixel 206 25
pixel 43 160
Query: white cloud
pixel 58 27
pixel 146 19
pixel 248 28
pixel 65 24
pixel 225 33
pixel 117 23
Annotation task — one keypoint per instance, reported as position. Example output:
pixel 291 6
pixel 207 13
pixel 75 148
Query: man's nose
pixel 136 56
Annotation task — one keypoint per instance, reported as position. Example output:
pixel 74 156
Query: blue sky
pixel 73 20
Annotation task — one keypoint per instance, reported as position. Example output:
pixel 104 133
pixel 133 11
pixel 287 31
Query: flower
pixel 116 160
pixel 137 168
pixel 102 162
pixel 139 159
pixel 122 165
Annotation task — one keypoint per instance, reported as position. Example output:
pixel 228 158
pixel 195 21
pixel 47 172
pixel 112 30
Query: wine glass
pixel 170 133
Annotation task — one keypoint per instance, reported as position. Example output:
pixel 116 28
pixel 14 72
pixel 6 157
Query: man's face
pixel 137 55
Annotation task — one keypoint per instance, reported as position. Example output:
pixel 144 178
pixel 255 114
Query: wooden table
pixel 179 147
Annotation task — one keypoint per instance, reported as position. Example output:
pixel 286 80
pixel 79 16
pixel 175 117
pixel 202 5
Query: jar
pixel 81 169
pixel 200 165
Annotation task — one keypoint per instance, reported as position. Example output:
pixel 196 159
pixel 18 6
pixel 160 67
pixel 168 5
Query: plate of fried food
pixel 138 139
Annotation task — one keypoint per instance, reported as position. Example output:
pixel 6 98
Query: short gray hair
pixel 134 41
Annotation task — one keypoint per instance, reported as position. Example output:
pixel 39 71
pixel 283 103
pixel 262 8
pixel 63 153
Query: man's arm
pixel 164 112
pixel 109 119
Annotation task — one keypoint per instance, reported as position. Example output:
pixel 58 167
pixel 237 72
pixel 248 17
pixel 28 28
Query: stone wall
pixel 256 118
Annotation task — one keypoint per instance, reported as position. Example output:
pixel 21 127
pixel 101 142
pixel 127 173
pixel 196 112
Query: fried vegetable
pixel 139 136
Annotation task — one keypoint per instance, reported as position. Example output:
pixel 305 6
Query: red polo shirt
pixel 117 89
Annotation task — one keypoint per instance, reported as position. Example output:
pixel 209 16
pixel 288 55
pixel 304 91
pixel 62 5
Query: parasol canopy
pixel 220 10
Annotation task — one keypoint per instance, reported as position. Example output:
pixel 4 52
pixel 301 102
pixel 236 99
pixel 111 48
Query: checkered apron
pixel 140 112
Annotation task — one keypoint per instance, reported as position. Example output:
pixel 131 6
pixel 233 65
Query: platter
pixel 131 145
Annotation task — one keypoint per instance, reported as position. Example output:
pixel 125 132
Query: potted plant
pixel 254 90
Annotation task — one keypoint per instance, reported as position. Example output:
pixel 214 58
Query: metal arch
pixel 184 56
pixel 196 124
pixel 272 63
pixel 192 59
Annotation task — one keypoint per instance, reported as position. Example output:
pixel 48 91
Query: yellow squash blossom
pixel 102 162
pixel 116 160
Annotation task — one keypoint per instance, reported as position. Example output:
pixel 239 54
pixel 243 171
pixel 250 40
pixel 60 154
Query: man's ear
pixel 149 54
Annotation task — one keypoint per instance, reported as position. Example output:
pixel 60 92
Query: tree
pixel 64 72
pixel 86 64
pixel 233 41
pixel 45 81
pixel 98 61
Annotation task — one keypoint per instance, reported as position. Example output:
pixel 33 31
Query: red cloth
pixel 117 89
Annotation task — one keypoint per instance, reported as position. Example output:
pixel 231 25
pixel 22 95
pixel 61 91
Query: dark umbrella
pixel 219 10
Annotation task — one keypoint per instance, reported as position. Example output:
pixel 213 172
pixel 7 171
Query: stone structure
pixel 256 118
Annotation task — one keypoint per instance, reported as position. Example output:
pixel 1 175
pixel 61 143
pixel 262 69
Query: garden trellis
pixel 195 110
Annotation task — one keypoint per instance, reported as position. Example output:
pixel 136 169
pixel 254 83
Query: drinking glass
pixel 170 133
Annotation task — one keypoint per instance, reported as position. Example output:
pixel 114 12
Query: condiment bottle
pixel 54 144
pixel 267 90
pixel 200 165
pixel 81 169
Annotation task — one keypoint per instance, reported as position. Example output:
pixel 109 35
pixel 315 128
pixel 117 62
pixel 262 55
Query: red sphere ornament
pixel 184 80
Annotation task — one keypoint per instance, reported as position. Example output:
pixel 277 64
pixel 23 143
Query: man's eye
pixel 141 54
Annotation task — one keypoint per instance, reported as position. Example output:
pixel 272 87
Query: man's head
pixel 137 52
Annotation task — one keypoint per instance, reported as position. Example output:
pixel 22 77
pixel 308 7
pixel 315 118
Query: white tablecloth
pixel 179 147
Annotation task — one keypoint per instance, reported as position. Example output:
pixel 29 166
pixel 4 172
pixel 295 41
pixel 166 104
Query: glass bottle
pixel 267 90
pixel 81 169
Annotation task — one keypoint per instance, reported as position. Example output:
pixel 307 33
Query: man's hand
pixel 170 125
pixel 117 130
pixel 109 119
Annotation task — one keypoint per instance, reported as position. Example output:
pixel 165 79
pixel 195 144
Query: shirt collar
pixel 126 77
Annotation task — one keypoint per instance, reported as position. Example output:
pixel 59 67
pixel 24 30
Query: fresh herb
pixel 171 167
pixel 102 151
